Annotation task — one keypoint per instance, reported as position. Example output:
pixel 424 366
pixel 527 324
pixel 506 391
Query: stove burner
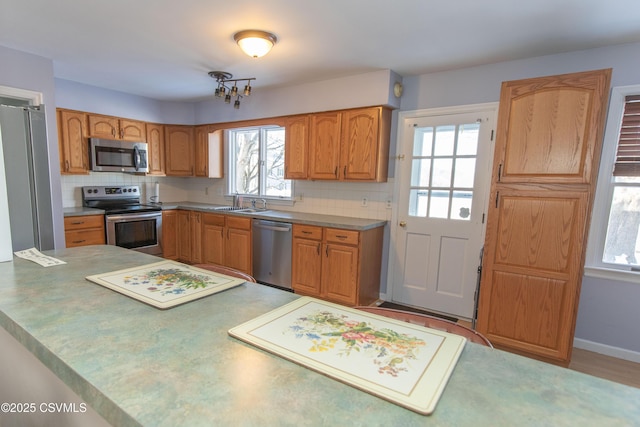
pixel 116 199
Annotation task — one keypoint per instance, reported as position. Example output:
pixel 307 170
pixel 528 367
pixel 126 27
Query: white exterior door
pixel 444 172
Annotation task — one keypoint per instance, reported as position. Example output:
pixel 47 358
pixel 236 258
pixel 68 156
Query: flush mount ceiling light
pixel 226 91
pixel 255 43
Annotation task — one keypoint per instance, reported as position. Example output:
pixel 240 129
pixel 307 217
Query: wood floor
pixel 599 365
pixel 611 368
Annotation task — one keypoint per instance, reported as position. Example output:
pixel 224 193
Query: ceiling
pixel 163 49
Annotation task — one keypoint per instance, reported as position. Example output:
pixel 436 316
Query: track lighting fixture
pixel 226 91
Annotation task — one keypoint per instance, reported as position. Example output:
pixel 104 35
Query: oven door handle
pixel 133 217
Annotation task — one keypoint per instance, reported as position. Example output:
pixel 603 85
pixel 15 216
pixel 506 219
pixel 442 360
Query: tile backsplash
pixel 363 200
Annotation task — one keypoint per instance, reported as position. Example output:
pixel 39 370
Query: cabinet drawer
pixel 213 219
pixel 337 235
pixel 82 222
pixel 239 223
pixel 84 237
pixel 307 232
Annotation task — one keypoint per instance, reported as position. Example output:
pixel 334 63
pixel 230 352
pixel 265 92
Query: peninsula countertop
pixel 138 365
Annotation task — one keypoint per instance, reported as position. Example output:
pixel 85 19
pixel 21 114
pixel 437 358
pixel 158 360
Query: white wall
pixel 374 88
pixel 82 97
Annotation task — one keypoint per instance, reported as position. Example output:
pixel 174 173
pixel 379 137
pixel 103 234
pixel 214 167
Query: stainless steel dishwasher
pixel 272 252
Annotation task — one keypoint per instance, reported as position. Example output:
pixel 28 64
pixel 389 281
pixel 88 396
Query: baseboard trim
pixel 607 350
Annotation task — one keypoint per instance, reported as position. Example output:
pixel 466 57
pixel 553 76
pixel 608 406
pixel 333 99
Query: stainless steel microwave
pixel 107 155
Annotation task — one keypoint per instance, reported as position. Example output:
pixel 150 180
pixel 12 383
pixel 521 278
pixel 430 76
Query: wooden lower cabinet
pixel 338 265
pixel 227 240
pixel 213 238
pixel 84 230
pixel 170 234
pixel 238 244
pixel 189 236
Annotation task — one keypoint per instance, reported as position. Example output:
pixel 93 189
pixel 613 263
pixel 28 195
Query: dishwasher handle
pixel 274 226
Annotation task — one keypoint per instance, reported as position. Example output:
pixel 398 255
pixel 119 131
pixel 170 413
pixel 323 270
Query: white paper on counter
pixel 38 257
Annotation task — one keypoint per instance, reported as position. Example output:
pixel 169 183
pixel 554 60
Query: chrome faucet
pixel 264 203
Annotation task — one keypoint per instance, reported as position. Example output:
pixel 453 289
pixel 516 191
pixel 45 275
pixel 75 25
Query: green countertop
pixel 137 365
pixel 321 220
pixel 306 218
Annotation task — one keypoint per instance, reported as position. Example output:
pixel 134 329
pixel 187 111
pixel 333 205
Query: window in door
pixel 256 163
pixel 615 237
pixel 443 170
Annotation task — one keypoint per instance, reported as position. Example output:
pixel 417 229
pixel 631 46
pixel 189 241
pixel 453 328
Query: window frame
pixel 231 166
pixel 594 266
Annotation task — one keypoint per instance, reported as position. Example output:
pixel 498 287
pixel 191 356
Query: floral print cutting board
pixel 401 362
pixel 165 284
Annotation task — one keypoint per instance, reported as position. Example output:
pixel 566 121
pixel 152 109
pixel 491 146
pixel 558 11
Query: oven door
pixel 138 231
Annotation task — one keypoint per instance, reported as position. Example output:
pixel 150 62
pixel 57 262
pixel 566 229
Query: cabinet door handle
pixel 319 248
pixel 77 222
pixel 66 165
pixel 344 173
pixel 326 250
pixel 79 241
pixel 341 236
pixel 306 232
pixel 335 172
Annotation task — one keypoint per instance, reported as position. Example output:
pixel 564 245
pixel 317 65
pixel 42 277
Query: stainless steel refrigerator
pixel 24 145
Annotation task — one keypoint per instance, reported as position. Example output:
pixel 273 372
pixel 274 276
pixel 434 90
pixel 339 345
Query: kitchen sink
pixel 228 208
pixel 239 209
pixel 252 210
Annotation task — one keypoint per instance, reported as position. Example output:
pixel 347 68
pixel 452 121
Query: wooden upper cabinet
pixel 73 143
pixel 548 128
pixel 179 150
pixel 365 144
pixel 208 161
pixel 350 145
pixel 132 130
pixel 155 141
pixel 324 145
pixel 116 128
pixel 296 152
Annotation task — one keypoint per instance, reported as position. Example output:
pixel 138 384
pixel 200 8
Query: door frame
pixel 393 262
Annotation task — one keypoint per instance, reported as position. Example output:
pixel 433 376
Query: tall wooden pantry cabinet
pixel 548 145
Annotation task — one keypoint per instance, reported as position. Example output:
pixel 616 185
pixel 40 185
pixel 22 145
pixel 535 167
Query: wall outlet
pixel 389 203
pixel 365 202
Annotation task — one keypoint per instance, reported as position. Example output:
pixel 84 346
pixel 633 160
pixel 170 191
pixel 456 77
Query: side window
pixel 256 163
pixel 621 244
pixel 614 241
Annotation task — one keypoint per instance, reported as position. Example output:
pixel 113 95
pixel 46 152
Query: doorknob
pixel 402 224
